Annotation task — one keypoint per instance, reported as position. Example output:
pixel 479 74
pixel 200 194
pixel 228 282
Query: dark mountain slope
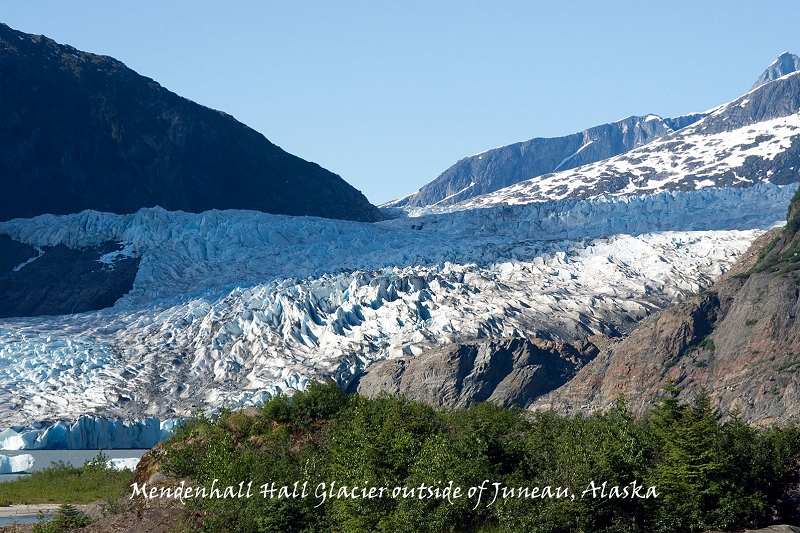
pixel 740 341
pixel 81 131
pixel 57 280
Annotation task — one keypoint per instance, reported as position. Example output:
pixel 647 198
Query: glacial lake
pixel 43 458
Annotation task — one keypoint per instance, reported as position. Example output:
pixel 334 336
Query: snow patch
pixel 39 253
pixel 671 162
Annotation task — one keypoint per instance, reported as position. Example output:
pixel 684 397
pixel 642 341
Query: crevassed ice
pixel 229 307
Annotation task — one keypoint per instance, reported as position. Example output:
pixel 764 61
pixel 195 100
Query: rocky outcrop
pixel 739 341
pixel 785 64
pixel 512 371
pixel 82 131
pixel 767 102
pixel 57 280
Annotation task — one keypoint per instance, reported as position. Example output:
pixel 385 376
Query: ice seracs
pixel 126 463
pixel 86 433
pixel 229 307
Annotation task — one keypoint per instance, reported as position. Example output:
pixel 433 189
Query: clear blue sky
pixel 390 94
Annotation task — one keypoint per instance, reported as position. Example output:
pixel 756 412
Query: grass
pixel 708 344
pixel 791 256
pixel 63 483
pixel 789 367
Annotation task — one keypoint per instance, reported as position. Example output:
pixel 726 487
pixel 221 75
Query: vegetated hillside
pixel 82 131
pixel 323 461
pixel 739 340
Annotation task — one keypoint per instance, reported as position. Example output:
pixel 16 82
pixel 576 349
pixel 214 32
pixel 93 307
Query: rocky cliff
pixel 507 372
pixel 82 131
pixel 739 340
pixel 785 64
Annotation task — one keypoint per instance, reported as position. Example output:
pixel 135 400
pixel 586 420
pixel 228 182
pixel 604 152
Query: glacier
pixel 229 307
pixel 87 433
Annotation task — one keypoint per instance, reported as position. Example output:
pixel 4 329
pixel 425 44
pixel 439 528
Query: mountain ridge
pixel 84 131
pixel 754 138
pixel 507 166
pixel 500 167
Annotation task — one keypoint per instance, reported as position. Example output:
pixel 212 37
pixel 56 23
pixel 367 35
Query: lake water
pixel 43 458
pixel 24 519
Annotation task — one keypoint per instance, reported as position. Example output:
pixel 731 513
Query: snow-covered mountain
pixel 501 167
pixel 754 139
pixel 622 157
pixel 227 307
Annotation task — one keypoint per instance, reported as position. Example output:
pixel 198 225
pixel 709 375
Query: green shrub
pixel 708 475
pixel 789 367
pixel 63 483
pixel 277 408
pixel 319 401
pixel 708 344
pixel 65 519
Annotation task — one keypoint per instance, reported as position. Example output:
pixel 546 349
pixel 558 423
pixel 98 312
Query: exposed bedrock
pixel 56 280
pixel 512 371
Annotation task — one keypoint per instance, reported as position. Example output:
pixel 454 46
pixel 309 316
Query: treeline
pixel 707 475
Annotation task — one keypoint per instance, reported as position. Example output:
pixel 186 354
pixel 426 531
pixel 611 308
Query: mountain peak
pixel 785 64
